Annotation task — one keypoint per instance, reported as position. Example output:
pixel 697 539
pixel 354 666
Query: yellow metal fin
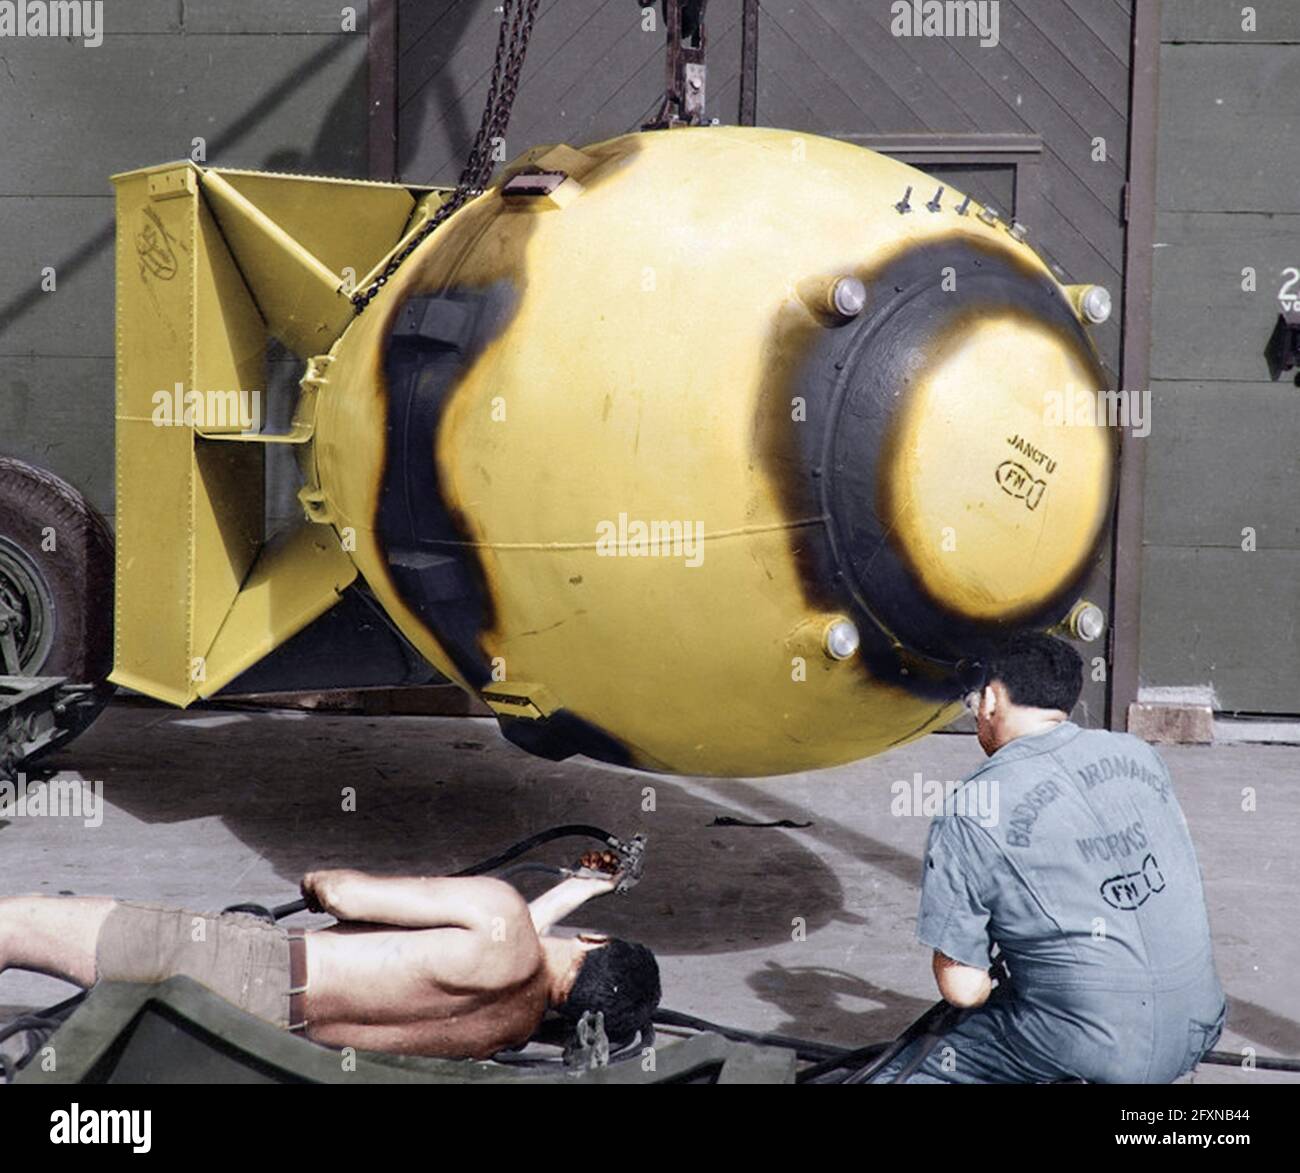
pixel 208 264
pixel 301 299
pixel 297 577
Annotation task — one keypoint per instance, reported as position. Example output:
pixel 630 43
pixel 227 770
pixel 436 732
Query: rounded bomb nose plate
pixel 968 485
pixel 1000 482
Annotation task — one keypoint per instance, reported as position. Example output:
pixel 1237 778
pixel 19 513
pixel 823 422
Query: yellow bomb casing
pixel 610 455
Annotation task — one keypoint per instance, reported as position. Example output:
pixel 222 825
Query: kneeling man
pixel 1086 880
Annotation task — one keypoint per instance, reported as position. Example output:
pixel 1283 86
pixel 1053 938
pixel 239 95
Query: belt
pixel 297 980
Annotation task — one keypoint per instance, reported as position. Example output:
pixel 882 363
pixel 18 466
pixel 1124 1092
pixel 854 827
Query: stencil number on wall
pixel 1289 297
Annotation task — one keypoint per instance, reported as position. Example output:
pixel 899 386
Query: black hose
pixel 805 1050
pixel 36 1022
pixel 819 1072
pixel 873 1057
pixel 251 910
pixel 929 1041
pixel 567 831
pixel 1264 1063
pixel 42 1025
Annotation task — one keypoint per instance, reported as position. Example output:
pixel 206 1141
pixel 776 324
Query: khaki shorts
pixel 240 957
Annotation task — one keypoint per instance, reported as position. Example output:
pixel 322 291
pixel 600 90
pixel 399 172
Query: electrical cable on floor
pixel 565 831
pixel 1259 1062
pixel 805 1049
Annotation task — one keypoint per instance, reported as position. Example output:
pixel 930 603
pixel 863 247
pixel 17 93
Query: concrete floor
pixel 210 807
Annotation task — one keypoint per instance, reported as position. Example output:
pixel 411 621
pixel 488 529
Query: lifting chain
pixel 517 18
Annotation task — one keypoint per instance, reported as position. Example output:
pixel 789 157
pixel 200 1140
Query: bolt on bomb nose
pixel 1086 622
pixel 842 639
pixel 848 297
pixel 1093 303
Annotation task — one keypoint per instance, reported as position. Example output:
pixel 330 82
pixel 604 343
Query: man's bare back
pixel 420 992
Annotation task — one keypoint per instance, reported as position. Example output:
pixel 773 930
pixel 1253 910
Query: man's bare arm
pixel 961 985
pixel 412 902
pixel 554 905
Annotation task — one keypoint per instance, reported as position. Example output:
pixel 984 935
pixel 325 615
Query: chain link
pixel 517 18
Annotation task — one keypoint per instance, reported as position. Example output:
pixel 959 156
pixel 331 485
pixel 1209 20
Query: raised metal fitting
pixel 1091 302
pixel 847 297
pixel 834 299
pixel 841 639
pixel 1085 622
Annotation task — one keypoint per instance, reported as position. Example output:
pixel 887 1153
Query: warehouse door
pixel 1221 558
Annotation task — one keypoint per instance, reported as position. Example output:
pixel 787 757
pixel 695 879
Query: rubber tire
pixel 78 573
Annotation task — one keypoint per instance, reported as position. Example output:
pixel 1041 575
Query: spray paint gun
pixel 624 858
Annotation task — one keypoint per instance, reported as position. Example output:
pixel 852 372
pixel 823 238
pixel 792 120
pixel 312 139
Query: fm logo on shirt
pixel 1134 889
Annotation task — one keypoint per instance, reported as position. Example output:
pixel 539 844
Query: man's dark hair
pixel 622 980
pixel 1039 671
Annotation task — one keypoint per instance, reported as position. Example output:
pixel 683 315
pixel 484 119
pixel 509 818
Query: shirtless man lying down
pixel 456 968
